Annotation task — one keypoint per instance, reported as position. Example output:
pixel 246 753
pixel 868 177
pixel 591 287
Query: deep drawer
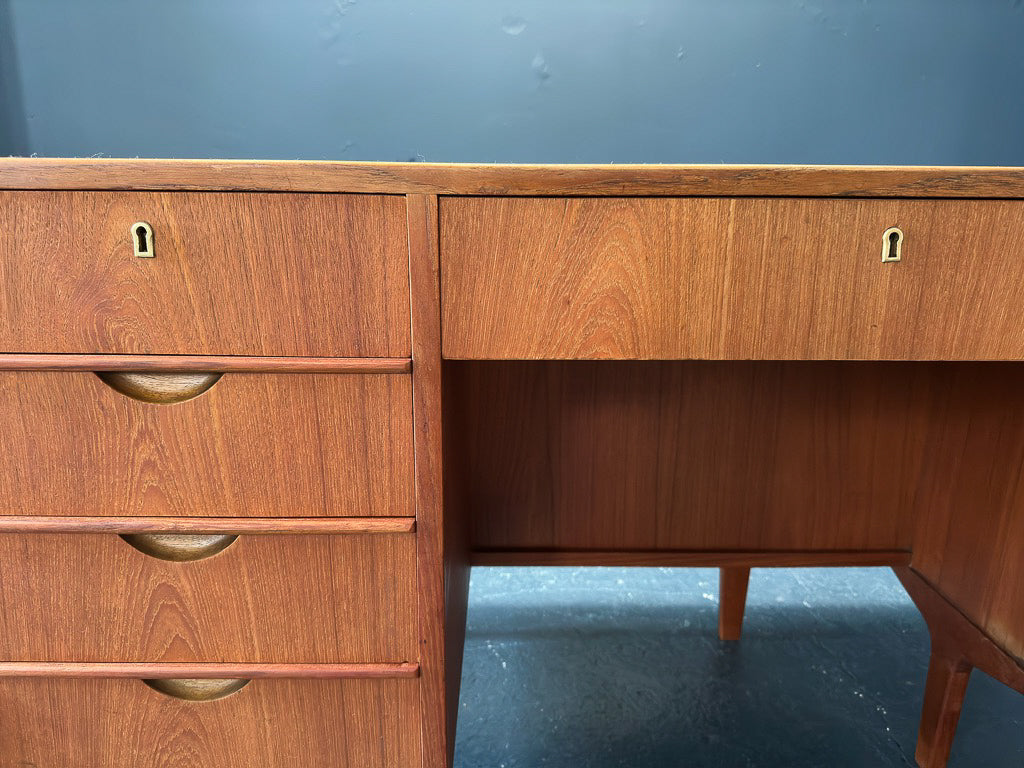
pixel 102 723
pixel 271 598
pixel 255 445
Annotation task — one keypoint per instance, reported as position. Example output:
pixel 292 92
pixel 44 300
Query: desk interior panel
pixel 676 455
pixel 747 456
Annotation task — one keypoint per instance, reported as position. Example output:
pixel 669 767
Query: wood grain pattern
pixel 703 558
pixel 269 723
pixel 443 565
pixel 477 179
pixel 205 363
pixel 217 670
pixel 289 445
pixel 234 274
pixel 240 525
pixel 288 599
pixel 714 456
pixel 731 279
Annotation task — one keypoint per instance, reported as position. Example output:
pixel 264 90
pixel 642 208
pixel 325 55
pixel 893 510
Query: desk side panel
pixel 969 542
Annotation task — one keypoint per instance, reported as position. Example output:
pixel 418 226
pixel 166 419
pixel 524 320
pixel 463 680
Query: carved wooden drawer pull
pixel 180 547
pixel 159 388
pixel 197 688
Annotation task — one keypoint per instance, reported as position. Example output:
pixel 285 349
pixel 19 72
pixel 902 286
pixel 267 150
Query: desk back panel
pixel 694 455
pixel 731 278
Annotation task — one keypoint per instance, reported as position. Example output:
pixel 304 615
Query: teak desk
pixel 259 419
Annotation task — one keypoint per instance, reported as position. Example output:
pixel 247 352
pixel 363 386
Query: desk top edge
pixel 511 180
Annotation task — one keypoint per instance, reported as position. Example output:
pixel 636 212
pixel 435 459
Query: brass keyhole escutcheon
pixel 892 244
pixel 142 240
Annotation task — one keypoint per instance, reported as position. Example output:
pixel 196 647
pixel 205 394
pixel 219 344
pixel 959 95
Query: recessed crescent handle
pixel 197 688
pixel 180 547
pixel 159 388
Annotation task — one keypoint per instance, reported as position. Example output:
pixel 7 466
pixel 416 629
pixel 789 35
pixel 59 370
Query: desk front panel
pixel 731 278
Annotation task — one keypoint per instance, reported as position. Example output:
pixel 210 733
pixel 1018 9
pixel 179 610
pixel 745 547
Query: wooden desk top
pixel 517 180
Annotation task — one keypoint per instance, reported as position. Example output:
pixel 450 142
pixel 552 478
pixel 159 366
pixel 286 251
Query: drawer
pixel 233 273
pixel 719 278
pixel 103 723
pixel 254 445
pixel 272 598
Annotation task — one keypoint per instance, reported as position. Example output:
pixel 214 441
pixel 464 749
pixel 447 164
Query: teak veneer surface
pixel 312 599
pixel 94 723
pixel 255 445
pixel 718 278
pixel 234 274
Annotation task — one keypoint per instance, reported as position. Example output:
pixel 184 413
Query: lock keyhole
pixel 142 240
pixel 892 244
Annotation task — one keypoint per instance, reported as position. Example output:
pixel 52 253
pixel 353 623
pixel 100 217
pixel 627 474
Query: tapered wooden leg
pixel 732 601
pixel 958 646
pixel 944 693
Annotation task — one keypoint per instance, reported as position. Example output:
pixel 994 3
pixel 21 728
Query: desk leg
pixel 958 646
pixel 944 693
pixel 732 601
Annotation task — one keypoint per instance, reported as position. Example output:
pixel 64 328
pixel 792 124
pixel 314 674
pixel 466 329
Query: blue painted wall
pixel 760 81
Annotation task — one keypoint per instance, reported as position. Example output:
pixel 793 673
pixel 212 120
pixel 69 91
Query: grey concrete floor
pixel 601 667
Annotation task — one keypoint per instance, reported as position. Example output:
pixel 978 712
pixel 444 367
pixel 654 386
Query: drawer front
pixel 233 273
pixel 718 278
pixel 90 723
pixel 255 445
pixel 273 598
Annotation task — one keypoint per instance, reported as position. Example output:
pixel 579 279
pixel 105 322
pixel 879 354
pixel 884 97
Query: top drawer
pixel 233 274
pixel 720 278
